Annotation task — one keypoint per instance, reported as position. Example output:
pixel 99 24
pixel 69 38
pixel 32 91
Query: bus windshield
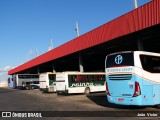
pixel 52 79
pixel 121 59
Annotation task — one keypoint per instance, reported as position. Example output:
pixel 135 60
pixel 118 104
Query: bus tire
pixel 87 91
pixel 32 87
pixel 27 88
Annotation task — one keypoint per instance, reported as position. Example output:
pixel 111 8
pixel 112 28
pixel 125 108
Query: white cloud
pixel 5 69
pixel 4 73
pixel 4 77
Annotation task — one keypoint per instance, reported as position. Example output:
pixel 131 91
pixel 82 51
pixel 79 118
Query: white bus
pixel 26 81
pixel 47 82
pixel 78 82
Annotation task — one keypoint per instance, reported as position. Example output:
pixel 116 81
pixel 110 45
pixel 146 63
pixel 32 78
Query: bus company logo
pixel 81 84
pixel 118 59
pixel 22 115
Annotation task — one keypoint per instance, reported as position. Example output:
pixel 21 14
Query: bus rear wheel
pixel 87 91
pixel 32 87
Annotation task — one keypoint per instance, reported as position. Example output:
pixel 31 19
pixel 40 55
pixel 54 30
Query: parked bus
pixel 78 82
pixel 133 78
pixel 11 83
pixel 26 81
pixel 48 82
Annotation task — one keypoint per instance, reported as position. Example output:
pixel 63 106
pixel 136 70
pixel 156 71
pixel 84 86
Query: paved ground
pixel 35 100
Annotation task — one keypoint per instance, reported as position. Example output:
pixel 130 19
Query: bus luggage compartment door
pixel 60 86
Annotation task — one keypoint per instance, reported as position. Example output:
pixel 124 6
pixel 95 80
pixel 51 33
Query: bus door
pixel 60 82
pixel 52 82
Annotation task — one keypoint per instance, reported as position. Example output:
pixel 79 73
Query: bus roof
pixel 49 73
pixel 138 52
pixel 83 73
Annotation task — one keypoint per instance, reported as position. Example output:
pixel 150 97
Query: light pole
pixel 80 56
pixel 135 4
pixel 77 30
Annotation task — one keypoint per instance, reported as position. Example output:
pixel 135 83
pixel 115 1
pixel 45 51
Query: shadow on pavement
pixel 5 90
pixel 101 99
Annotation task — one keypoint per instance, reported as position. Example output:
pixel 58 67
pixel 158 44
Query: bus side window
pixel 83 78
pixel 99 78
pixel 69 78
pixel 35 82
pixel 87 79
pixel 96 77
pixel 92 78
pixel 78 78
pixel 156 64
pixel 150 63
pixel 75 78
pixel 103 78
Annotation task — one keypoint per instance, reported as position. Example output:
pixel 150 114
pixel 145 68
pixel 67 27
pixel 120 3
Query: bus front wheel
pixel 32 87
pixel 87 91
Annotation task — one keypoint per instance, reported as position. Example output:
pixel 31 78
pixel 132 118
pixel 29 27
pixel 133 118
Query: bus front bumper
pixel 62 91
pixel 126 101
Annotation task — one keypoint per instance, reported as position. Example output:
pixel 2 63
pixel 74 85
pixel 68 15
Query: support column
pixel 80 63
pixel 53 68
pixel 140 45
pixel 38 70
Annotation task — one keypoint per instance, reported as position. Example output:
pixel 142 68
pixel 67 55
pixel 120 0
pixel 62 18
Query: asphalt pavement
pixel 75 106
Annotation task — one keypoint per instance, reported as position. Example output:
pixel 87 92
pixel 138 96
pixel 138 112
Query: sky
pixel 27 26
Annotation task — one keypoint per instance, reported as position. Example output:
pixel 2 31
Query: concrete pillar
pixel 53 68
pixel 80 63
pixel 38 70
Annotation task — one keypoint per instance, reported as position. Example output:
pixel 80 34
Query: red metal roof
pixel 138 19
